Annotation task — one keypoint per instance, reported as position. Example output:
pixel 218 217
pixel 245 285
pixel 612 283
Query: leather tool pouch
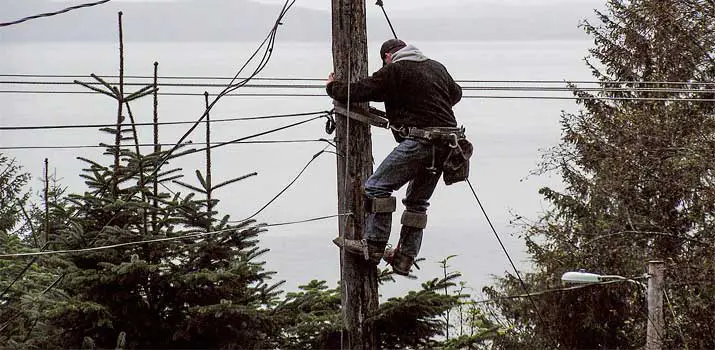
pixel 456 166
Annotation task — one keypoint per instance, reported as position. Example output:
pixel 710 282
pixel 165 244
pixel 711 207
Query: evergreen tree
pixel 24 282
pixel 640 185
pixel 310 318
pixel 206 290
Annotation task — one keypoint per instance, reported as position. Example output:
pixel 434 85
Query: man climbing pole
pixel 419 94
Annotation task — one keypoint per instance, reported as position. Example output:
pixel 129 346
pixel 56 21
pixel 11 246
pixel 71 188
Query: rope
pixel 345 194
pixel 518 275
pixel 48 14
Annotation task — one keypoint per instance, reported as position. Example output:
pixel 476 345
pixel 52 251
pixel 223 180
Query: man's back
pixel 420 93
pixel 417 91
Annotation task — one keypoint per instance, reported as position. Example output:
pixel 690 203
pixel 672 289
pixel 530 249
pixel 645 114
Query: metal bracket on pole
pixel 374 117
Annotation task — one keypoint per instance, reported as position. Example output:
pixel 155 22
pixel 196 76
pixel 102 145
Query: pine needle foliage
pixel 639 186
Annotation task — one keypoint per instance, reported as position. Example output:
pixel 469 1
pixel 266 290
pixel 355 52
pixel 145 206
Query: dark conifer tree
pixel 639 185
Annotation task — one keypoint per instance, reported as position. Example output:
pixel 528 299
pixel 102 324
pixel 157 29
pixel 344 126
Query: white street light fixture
pixel 583 277
pixel 580 277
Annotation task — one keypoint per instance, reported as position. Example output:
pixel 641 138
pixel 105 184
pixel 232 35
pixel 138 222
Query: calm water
pixel 507 135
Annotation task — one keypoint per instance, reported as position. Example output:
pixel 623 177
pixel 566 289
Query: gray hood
pixel 409 53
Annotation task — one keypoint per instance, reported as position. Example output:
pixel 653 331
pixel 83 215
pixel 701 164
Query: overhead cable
pixel 287 186
pixel 164 144
pixel 480 81
pixel 269 42
pixel 166 239
pixel 322 95
pixel 79 126
pixel 49 14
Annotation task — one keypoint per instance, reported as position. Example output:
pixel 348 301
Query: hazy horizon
pixel 241 20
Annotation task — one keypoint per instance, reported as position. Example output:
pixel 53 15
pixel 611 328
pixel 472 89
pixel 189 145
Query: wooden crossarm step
pixel 372 117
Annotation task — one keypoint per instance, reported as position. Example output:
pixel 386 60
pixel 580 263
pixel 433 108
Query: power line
pixel 305 221
pixel 79 126
pixel 221 144
pixel 483 87
pixel 197 85
pixel 322 95
pixel 287 186
pixel 269 42
pixel 547 291
pixel 126 244
pixel 48 14
pixel 519 81
pixel 213 144
pixel 162 144
pixel 184 94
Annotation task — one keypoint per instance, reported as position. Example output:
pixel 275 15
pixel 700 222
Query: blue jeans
pixel 408 162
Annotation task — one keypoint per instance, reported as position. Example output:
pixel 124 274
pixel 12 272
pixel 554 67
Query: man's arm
pixel 369 89
pixel 455 92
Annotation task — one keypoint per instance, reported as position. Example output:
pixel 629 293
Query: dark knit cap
pixel 391 46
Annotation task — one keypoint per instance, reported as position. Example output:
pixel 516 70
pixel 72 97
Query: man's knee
pixel 414 219
pixel 374 190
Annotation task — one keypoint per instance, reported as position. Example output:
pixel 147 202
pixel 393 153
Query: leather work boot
pixel 372 251
pixel 400 263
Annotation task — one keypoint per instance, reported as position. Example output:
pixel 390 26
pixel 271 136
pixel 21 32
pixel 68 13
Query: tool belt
pixel 432 134
pixel 455 168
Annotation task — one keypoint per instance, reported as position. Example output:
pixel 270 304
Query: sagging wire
pixel 49 14
pixel 315 156
pixel 221 144
pixel 270 41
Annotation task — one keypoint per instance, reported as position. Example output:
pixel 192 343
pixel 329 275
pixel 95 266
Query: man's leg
pixel 414 220
pixel 409 158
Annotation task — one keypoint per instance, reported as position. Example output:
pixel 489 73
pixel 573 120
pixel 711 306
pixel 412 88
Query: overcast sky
pixel 244 20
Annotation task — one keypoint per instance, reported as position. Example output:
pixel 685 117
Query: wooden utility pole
pixel 654 337
pixel 359 279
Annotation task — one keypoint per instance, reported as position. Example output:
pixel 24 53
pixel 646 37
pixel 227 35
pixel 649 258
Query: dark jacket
pixel 416 92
